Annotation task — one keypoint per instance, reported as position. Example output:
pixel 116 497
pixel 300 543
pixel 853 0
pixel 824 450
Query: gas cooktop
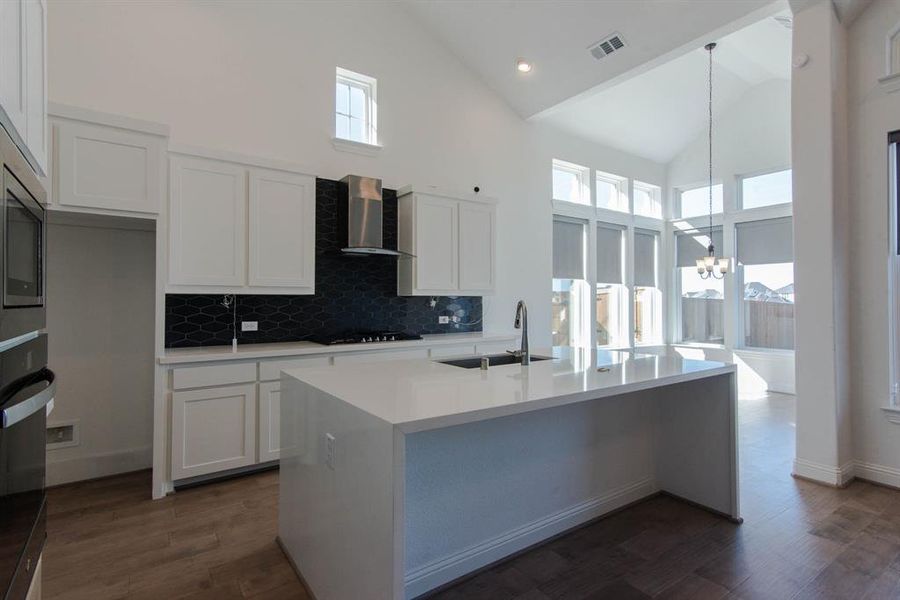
pixel 364 337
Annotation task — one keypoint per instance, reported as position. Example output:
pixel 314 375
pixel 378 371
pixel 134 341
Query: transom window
pixel 694 202
pixel 612 192
pixel 647 200
pixel 767 190
pixel 355 114
pixel 571 182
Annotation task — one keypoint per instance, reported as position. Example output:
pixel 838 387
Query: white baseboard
pixel 97 465
pixel 427 577
pixel 878 474
pixel 833 476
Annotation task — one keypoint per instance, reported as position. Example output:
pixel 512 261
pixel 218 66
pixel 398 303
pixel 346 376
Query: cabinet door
pixel 207 227
pixel 36 81
pixel 282 230
pixel 436 244
pixel 12 63
pixel 477 235
pixel 107 168
pixel 269 421
pixel 213 429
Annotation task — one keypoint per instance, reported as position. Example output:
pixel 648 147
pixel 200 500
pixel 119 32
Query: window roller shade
pixel 568 250
pixel 765 242
pixel 609 254
pixel 645 258
pixel 691 246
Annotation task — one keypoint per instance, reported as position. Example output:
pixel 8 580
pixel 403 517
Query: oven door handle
pixel 22 410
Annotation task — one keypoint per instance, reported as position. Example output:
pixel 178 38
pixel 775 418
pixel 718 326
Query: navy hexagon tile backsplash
pixel 353 293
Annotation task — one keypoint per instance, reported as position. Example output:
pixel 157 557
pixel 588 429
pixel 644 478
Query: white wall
pixel 873 113
pixel 258 78
pixel 100 310
pixel 751 136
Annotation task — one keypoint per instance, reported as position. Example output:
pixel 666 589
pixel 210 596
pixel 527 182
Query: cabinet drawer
pixel 441 351
pixel 270 370
pixel 193 377
pixel 381 356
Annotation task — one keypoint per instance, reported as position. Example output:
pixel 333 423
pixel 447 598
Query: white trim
pixel 878 474
pixel 833 476
pixel 93 117
pixel 240 159
pixel 354 147
pixel 892 413
pixel 429 576
pixel 98 465
pixel 890 83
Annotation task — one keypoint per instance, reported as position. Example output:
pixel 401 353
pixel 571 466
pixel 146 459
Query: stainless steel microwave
pixel 22 245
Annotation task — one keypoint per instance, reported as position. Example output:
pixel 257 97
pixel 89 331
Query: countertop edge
pixel 245 352
pixel 419 425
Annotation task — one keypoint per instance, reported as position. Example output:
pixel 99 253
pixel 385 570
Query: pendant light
pixel 709 265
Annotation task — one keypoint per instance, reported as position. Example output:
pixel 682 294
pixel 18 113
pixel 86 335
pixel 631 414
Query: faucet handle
pixel 516 353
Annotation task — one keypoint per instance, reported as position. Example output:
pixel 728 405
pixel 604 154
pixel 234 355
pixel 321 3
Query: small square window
pixel 612 192
pixel 355 107
pixel 647 200
pixel 570 182
pixel 695 202
pixel 766 190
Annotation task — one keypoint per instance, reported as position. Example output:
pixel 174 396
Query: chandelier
pixel 711 266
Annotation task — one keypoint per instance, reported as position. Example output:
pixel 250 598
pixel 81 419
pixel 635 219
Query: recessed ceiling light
pixel 523 66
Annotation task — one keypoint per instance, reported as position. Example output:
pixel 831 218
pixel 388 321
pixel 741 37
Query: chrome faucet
pixel 522 323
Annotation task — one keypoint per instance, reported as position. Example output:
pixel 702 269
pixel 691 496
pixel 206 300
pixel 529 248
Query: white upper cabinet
pixel 235 228
pixel 207 222
pixel 12 62
pixel 23 77
pixel 105 167
pixel 36 138
pixel 477 236
pixel 453 243
pixel 282 229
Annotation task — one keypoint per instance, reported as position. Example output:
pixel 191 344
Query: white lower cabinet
pixel 269 421
pixel 213 429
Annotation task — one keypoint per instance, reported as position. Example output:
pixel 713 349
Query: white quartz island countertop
pixel 422 394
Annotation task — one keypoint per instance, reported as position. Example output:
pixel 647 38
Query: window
pixel 571 182
pixel 570 318
pixel 894 253
pixel 355 117
pixel 695 202
pixel 611 295
pixel 647 295
pixel 612 192
pixel 766 190
pixel 766 263
pixel 647 200
pixel 701 301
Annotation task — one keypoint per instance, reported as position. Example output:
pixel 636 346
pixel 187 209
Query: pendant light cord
pixel 710 47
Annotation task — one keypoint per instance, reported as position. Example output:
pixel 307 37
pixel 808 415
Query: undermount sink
pixel 496 360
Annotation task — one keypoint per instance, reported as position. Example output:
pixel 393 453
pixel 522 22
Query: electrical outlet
pixel 249 326
pixel 329 451
pixel 443 320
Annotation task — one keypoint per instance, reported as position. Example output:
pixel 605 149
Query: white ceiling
pixel 657 113
pixel 488 36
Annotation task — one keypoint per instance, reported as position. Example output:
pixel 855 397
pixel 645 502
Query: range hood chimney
pixel 365 210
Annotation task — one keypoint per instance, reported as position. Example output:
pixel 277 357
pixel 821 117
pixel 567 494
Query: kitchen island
pixel 401 476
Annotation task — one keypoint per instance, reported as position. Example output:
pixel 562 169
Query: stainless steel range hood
pixel 365 211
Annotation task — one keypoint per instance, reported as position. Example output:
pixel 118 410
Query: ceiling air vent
pixel 607 46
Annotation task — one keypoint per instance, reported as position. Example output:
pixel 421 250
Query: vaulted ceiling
pixel 555 36
pixel 657 113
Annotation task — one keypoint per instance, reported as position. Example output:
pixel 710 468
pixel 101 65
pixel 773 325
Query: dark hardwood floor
pixel 107 540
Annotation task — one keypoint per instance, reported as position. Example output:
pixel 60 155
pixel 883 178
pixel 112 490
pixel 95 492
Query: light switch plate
pixel 249 326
